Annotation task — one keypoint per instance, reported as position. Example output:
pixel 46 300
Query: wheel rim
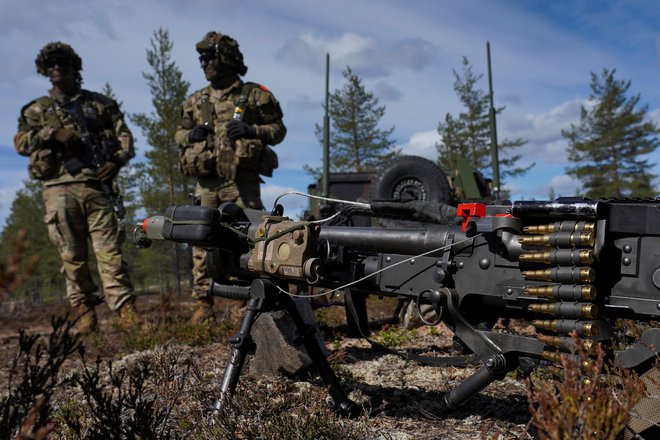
pixel 409 189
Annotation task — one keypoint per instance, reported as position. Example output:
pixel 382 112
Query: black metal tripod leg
pixel 242 345
pixel 343 404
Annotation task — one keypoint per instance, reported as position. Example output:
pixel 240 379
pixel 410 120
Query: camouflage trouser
pixel 245 192
pixel 76 212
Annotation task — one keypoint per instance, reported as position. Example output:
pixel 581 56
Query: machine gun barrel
pixel 386 240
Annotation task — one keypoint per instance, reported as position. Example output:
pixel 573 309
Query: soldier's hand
pixel 226 163
pixel 107 171
pixel 240 130
pixel 199 133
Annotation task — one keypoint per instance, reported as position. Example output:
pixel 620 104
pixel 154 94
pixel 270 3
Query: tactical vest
pixel 252 155
pixel 58 158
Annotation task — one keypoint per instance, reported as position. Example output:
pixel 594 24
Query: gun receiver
pixel 569 265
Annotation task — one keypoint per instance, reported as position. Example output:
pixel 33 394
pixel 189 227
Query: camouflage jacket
pixel 90 118
pixel 216 107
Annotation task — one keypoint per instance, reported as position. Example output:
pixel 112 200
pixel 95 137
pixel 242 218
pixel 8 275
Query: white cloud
pixel 562 185
pixel 422 144
pixel 655 116
pixel 545 144
pixel 367 56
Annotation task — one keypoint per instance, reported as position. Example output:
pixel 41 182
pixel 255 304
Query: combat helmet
pixel 225 49
pixel 57 49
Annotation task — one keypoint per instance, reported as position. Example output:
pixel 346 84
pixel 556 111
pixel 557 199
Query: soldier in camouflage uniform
pixel 77 141
pixel 223 138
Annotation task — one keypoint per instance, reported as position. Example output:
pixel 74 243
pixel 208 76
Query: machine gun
pixel 568 265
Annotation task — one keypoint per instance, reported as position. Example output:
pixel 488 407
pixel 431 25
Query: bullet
pixel 551 356
pixel 560 257
pixel 570 226
pixel 563 291
pixel 564 343
pixel 555 357
pixel 562 274
pixel 582 328
pixel 556 371
pixel 559 239
pixel 566 310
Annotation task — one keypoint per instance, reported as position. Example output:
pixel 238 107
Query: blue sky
pixel 542 54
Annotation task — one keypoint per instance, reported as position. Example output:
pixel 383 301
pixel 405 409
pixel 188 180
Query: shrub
pixel 592 399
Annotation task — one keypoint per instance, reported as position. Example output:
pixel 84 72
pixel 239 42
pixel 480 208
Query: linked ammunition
pixel 564 343
pixel 562 275
pixel 566 310
pixel 560 257
pixel 559 239
pixel 556 371
pixel 555 357
pixel 565 326
pixel 563 291
pixel 570 226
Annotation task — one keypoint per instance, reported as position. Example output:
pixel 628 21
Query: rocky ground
pixel 402 398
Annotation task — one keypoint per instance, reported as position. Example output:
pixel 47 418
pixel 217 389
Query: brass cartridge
pixel 570 226
pixel 564 343
pixel 560 239
pixel 582 328
pixel 555 357
pixel 556 371
pixel 560 257
pixel 566 310
pixel 562 275
pixel 563 292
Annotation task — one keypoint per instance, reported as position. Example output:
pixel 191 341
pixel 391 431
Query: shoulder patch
pixel 264 88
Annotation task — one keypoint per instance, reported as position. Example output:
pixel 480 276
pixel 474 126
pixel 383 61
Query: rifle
pixel 568 265
pixel 99 150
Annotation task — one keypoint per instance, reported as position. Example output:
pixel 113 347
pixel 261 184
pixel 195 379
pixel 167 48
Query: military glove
pixel 107 171
pixel 199 133
pixel 240 130
pixel 226 163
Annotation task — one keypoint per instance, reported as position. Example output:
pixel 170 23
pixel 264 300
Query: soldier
pixel 77 141
pixel 223 136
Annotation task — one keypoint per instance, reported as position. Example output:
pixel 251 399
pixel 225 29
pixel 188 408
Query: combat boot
pixel 203 311
pixel 129 317
pixel 86 321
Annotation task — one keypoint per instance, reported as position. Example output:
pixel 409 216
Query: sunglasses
pixel 49 63
pixel 206 57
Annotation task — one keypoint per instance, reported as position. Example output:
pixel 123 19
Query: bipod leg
pixel 343 405
pixel 242 344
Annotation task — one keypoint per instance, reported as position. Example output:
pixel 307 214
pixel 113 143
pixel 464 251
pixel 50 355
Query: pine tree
pixel 160 181
pixel 609 144
pixel 356 142
pixel 468 134
pixel 27 211
pixel 163 183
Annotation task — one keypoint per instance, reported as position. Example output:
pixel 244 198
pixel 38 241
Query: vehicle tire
pixel 410 178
